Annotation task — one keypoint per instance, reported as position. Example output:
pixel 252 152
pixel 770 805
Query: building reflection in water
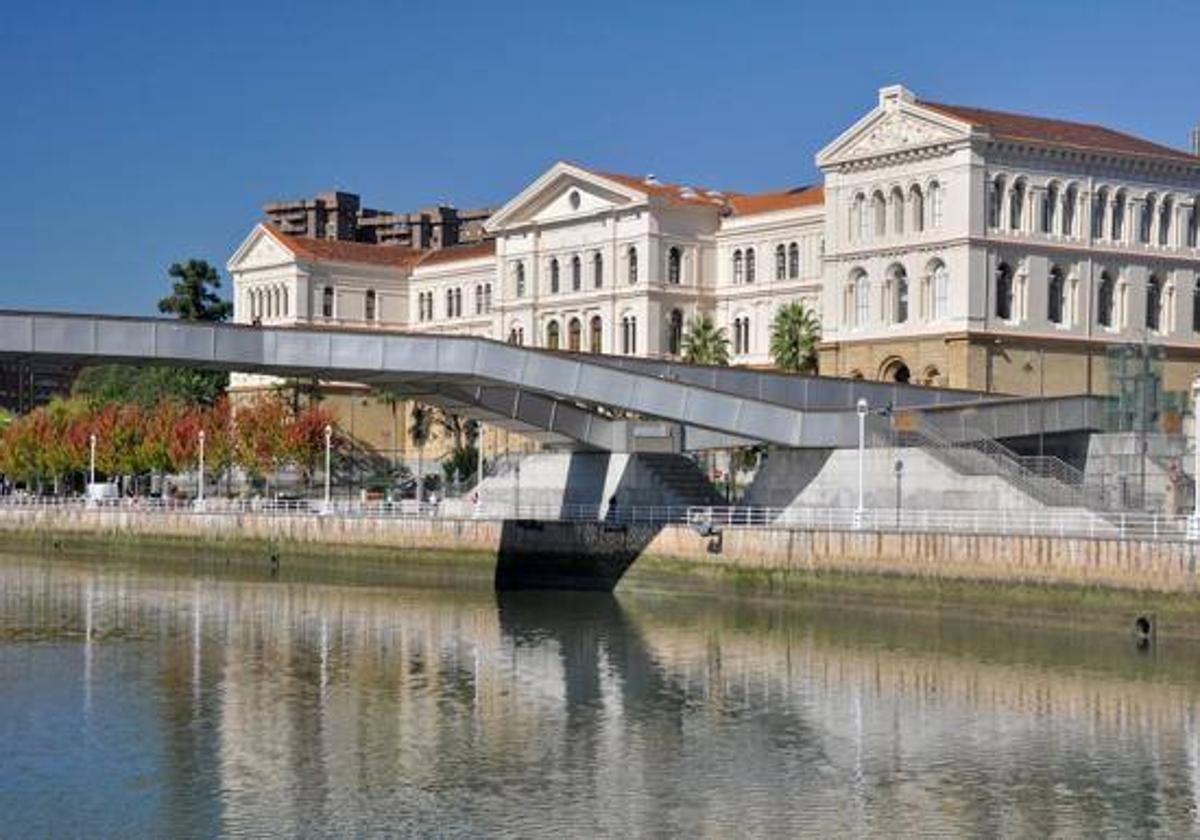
pixel 242 706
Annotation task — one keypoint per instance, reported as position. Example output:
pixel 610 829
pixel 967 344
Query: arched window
pixel 935 205
pixel 458 303
pixel 780 262
pixel 597 270
pixel 1099 211
pixel 576 274
pixel 327 302
pixel 552 335
pixel 479 299
pixel 879 214
pixel 1070 203
pixel 520 281
pixel 897 200
pixel 629 335
pixel 749 265
pixel 1193 231
pixel 675 332
pixel 1049 208
pixel 270 299
pixel 793 261
pixel 1016 205
pixel 554 278
pixel 860 299
pixel 898 279
pixel 674 266
pixel 940 292
pixel 916 198
pixel 1165 211
pixel 741 335
pixel 1055 292
pixel 633 265
pixel 858 218
pixel 1004 292
pixel 1104 302
pixel 284 311
pixel 449 303
pixel 1196 307
pixel 487 297
pixel 1146 220
pixel 370 305
pixel 1153 303
pixel 1117 227
pixel 597 333
pixel 996 202
pixel 739 268
pixel 575 335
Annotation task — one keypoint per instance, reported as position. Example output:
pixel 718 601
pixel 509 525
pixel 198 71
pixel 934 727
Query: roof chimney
pixel 1196 140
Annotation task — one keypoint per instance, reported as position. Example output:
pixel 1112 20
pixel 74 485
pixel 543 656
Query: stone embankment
pixel 606 551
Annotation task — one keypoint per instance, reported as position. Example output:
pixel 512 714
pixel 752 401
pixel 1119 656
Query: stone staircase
pixel 682 481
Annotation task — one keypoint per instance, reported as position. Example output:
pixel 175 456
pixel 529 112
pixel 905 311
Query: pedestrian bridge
pixel 589 401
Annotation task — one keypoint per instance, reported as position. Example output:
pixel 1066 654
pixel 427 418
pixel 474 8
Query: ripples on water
pixel 148 703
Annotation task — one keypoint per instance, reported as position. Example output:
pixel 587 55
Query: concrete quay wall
pixel 1123 564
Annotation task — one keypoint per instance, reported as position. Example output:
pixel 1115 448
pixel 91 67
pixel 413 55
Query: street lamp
pixel 860 512
pixel 92 467
pixel 200 489
pixel 328 465
pixel 479 466
pixel 899 468
pixel 1194 519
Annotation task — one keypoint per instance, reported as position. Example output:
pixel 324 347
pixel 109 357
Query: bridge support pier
pixel 568 555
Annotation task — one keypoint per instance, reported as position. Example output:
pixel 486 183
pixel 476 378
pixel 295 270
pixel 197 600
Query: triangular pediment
pixel 898 123
pixel 259 250
pixel 563 192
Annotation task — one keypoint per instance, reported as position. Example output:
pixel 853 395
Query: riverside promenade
pixel 1136 553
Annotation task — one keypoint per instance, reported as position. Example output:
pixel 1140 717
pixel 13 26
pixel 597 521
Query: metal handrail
pixel 704 519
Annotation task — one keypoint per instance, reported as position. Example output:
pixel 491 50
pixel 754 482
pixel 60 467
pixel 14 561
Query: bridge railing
pixel 705 520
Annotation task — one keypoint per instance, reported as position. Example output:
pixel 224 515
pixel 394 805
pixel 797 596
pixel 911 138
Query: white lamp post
pixel 860 512
pixel 479 467
pixel 328 465
pixel 200 489
pixel 1194 519
pixel 92 467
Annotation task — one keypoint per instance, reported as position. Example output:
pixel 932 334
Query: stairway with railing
pixel 1045 478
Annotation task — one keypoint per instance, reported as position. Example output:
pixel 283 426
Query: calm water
pixel 206 702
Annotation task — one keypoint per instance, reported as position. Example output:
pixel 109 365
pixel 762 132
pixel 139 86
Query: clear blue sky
pixel 135 134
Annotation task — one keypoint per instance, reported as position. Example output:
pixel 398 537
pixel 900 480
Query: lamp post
pixel 1194 519
pixel 328 465
pixel 860 511
pixel 92 462
pixel 479 466
pixel 200 488
pixel 899 468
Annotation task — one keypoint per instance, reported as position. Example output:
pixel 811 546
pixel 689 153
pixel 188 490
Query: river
pixel 203 699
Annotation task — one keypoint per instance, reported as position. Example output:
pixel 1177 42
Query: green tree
pixel 704 343
pixel 420 431
pixel 794 336
pixel 193 298
pixel 194 293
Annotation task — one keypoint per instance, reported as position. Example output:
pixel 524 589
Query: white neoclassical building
pixel 947 245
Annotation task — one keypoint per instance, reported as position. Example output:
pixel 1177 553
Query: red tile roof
pixel 768 202
pixel 332 250
pixel 1008 126
pixel 460 252
pixel 671 193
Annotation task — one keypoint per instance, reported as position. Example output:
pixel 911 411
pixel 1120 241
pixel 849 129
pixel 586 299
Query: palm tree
pixel 391 397
pixel 794 336
pixel 419 433
pixel 704 343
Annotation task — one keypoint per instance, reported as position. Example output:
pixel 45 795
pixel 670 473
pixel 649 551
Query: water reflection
pixel 200 703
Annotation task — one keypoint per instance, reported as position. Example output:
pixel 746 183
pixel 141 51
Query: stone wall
pixel 1130 564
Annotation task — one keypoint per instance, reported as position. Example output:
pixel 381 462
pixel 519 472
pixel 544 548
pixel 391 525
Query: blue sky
pixel 135 134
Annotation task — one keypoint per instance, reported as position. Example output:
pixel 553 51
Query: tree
pixel 193 296
pixel 420 431
pixel 794 336
pixel 704 343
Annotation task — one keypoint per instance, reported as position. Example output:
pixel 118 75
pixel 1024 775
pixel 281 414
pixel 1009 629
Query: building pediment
pixel 898 123
pixel 563 192
pixel 259 250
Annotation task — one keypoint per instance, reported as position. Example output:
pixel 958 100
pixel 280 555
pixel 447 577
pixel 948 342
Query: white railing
pixel 705 520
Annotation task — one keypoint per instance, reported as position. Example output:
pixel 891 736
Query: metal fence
pixel 705 520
